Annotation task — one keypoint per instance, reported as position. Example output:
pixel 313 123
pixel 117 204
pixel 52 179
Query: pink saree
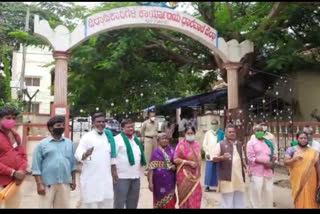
pixel 188 178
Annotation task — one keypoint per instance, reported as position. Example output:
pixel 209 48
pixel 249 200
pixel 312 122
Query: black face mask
pixel 58 131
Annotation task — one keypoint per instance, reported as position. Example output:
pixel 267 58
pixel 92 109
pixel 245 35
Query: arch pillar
pixel 60 105
pixel 61 77
pixel 233 83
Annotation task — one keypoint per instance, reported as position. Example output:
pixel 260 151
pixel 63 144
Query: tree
pixel 113 66
pixel 12 22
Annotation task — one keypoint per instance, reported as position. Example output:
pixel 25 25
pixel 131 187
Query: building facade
pixel 38 76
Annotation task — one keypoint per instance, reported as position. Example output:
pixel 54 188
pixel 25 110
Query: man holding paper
pixel 97 153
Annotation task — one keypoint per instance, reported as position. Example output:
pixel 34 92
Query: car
pixel 137 128
pixel 160 120
pixel 113 126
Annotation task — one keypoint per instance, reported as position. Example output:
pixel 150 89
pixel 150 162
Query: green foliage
pixel 20 106
pixel 5 93
pixel 164 64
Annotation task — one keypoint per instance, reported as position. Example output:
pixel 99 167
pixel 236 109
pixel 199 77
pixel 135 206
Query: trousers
pixel 126 193
pixel 57 196
pixel 232 200
pixel 150 144
pixel 105 204
pixel 261 192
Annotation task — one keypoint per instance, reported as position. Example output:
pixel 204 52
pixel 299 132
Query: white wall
pixel 307 91
pixel 35 59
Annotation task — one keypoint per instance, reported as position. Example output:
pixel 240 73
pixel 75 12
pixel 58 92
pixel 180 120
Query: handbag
pixel 318 195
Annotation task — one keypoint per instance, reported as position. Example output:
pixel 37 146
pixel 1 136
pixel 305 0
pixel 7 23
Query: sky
pixel 182 8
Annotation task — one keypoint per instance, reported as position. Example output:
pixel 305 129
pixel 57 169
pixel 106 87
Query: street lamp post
pixel 81 111
pixel 141 95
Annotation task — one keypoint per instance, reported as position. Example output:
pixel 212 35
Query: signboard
pixel 14 84
pixel 61 111
pixel 146 16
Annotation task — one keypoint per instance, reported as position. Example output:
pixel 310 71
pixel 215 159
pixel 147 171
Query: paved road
pixel 282 196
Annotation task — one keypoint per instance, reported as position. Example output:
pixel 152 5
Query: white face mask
pixel 190 138
pixel 98 131
pixel 152 118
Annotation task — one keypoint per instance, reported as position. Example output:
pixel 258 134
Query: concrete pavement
pixel 282 196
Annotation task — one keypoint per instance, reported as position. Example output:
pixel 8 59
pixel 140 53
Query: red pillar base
pixel 62 110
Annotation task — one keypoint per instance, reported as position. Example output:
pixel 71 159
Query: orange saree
pixel 304 180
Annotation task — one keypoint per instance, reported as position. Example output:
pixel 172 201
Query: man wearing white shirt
pixel 94 152
pixel 130 158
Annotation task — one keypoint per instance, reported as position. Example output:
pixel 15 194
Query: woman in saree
pixel 303 164
pixel 161 174
pixel 187 158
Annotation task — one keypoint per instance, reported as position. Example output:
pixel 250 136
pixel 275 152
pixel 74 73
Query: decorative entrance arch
pixel 62 41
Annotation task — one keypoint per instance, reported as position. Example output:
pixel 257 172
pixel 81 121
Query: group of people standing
pixel 111 166
pixel 256 161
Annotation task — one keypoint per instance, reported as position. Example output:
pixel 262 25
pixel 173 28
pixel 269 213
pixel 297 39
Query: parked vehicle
pixel 137 128
pixel 113 125
pixel 160 120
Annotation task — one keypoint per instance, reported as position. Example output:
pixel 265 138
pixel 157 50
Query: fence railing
pixel 34 131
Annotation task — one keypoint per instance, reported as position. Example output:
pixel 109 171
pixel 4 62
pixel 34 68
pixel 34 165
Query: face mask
pixel 98 131
pixel 58 131
pixel 264 128
pixel 8 124
pixel 190 138
pixel 310 139
pixel 214 127
pixel 259 135
pixel 152 118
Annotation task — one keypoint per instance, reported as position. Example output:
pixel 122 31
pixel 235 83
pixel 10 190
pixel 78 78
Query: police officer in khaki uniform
pixel 149 132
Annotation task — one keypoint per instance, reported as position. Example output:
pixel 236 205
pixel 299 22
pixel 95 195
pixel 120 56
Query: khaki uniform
pixel 149 132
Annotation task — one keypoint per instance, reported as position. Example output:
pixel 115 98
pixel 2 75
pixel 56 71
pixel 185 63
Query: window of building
pixel 35 107
pixel 32 81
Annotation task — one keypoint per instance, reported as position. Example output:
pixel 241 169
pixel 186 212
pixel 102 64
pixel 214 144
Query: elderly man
pixel 130 159
pixel 97 154
pixel 229 155
pixel 149 132
pixel 54 167
pixel 13 158
pixel 211 138
pixel 267 135
pixel 311 142
pixel 261 159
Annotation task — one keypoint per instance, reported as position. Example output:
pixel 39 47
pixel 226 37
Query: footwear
pixel 207 189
